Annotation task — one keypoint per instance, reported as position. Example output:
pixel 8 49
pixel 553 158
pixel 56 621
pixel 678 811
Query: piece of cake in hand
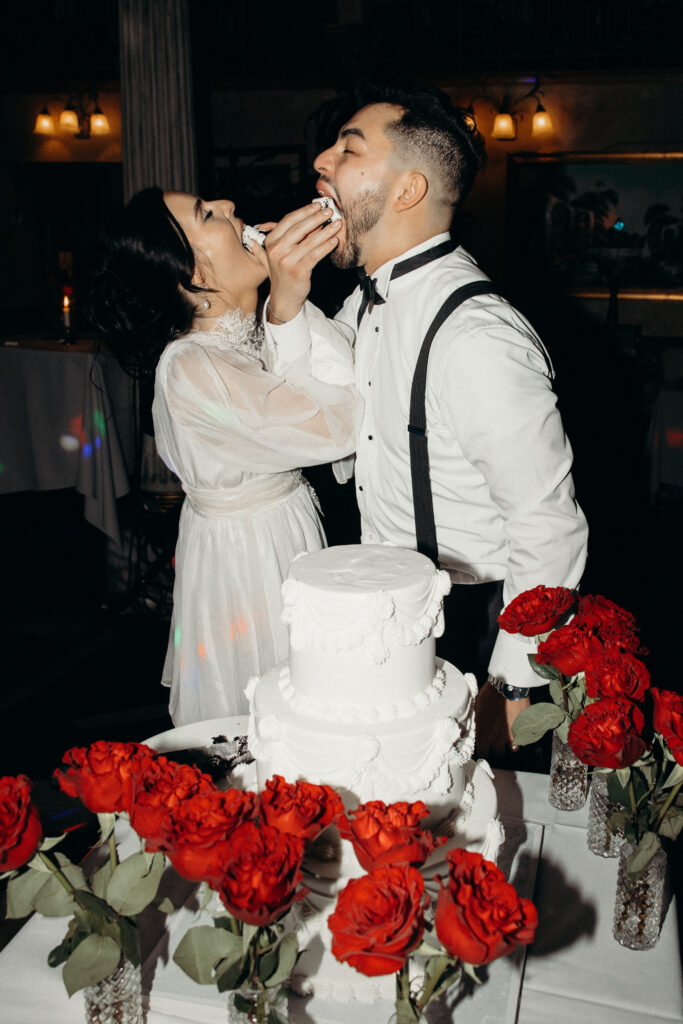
pixel 250 235
pixel 328 203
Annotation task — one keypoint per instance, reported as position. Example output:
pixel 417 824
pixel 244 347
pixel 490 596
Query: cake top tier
pixel 336 598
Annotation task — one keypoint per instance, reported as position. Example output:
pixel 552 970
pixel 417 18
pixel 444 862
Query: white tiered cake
pixel 364 706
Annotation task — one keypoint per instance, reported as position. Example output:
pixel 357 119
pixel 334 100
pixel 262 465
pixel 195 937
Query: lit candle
pixel 66 313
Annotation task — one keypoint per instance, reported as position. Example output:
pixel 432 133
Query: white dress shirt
pixel 500 462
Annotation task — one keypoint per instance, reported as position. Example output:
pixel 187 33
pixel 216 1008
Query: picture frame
pixel 596 224
pixel 265 182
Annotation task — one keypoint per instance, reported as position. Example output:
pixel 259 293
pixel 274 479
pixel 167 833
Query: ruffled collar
pixel 238 330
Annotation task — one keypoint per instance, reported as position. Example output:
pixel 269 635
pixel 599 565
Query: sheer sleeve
pixel 224 399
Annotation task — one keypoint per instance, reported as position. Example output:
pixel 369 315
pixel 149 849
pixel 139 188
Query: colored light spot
pixel 2 467
pixel 98 420
pixel 238 628
pixel 69 443
pixel 98 442
pixel 619 225
pixel 674 437
pixel 87 450
pixel 201 650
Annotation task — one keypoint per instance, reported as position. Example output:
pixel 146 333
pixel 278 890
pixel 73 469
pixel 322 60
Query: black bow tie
pixel 371 297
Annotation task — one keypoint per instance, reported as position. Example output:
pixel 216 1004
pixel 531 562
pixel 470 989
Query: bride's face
pixel 215 234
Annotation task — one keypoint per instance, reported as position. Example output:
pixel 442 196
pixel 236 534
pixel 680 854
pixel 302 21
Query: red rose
pixel 261 873
pixel 606 734
pixel 300 808
pixel 614 673
pixel 379 919
pixel 479 915
pixel 197 832
pixel 668 719
pixel 101 775
pixel 568 649
pixel 158 788
pixel 536 611
pixel 20 828
pixel 390 834
pixel 608 621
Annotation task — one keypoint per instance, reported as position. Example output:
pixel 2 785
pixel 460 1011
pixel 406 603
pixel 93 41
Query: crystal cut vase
pixel 600 838
pixel 568 778
pixel 638 903
pixel 116 999
pixel 258 1005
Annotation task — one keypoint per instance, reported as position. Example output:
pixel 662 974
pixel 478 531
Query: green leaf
pixel 202 948
pixel 100 880
pixel 624 776
pixel 165 905
pixel 248 933
pixel 93 959
pixel 672 823
pixel 107 822
pixel 135 882
pixel 562 730
pixel 449 978
pixel 61 953
pixel 95 906
pixel 556 690
pixel 129 939
pixel 642 854
pixel 286 952
pixel 533 722
pixel 49 842
pixel 406 1012
pixel 232 973
pixel 471 972
pixel 544 671
pixel 675 777
pixel 21 893
pixel 52 900
pixel 617 793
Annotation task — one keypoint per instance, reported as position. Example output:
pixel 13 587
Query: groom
pixel 465 459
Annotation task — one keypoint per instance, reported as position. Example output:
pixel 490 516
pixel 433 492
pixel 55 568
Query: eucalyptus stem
pixel 61 878
pixel 113 855
pixel 433 982
pixel 667 804
pixel 634 808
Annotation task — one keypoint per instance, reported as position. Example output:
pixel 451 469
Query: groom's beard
pixel 360 216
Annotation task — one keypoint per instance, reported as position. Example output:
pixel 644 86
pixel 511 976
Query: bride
pixel 175 291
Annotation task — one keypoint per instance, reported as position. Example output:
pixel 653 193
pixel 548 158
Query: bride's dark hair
pixel 137 299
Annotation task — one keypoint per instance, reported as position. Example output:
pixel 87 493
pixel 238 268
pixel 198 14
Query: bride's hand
pixel 293 247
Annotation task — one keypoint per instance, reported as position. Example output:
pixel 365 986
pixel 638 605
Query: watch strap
pixel 508 691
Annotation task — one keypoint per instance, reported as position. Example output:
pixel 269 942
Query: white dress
pixel 235 434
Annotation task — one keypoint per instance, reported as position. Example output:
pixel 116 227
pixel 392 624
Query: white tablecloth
pixel 67 419
pixel 575 973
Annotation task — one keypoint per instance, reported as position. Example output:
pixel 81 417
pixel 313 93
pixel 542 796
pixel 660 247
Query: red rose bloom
pixel 261 873
pixel 101 775
pixel 536 611
pixel 614 673
pixel 390 834
pixel 20 828
pixel 568 649
pixel 668 719
pixel 379 919
pixel 608 621
pixel 300 808
pixel 479 916
pixel 607 734
pixel 158 788
pixel 197 831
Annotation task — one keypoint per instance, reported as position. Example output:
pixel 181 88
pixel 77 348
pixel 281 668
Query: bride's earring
pixel 206 304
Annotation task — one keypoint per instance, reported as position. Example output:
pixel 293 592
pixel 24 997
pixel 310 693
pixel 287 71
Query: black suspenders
pixel 425 527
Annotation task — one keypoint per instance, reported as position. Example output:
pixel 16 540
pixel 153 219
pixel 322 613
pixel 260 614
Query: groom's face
pixel 357 171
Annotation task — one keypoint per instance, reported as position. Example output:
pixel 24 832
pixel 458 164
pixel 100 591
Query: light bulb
pixel 45 123
pixel 504 127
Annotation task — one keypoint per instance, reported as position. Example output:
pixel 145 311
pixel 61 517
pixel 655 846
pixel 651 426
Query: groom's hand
pixel 293 247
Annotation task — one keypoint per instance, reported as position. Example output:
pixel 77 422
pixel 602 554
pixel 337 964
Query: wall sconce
pixel 505 125
pixel 81 117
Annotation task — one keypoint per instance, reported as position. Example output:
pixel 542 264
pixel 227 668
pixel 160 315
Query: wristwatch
pixel 507 691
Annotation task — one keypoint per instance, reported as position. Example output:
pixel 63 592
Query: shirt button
pixel 369 383
pixel 360 487
pixel 376 330
pixel 369 437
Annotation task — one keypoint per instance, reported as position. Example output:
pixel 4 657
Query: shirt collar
pixel 383 273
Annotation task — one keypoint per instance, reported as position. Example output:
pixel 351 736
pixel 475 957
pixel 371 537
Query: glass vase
pixel 638 903
pixel 116 999
pixel 258 1005
pixel 600 838
pixel 568 778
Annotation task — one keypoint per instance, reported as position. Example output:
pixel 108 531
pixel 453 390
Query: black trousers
pixel 471 613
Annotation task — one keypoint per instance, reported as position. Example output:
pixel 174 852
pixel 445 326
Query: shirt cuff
pixel 289 341
pixel 510 660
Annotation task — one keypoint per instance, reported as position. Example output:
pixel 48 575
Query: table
pixel 67 419
pixel 575 972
